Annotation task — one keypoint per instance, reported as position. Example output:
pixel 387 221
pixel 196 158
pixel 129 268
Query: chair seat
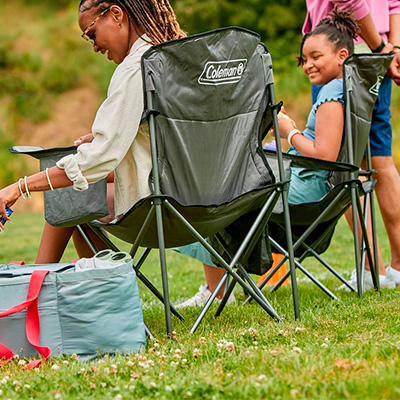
pixel 207 220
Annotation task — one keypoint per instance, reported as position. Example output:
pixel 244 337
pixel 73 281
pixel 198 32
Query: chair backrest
pixel 362 76
pixel 210 98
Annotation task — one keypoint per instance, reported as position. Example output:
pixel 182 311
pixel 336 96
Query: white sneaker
pixel 201 297
pixel 384 282
pixel 393 275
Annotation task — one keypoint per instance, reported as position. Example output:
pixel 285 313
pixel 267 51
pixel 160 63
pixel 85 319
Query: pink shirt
pixel 380 11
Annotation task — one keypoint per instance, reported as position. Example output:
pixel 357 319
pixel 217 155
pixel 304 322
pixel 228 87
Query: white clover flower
pixel 129 363
pixel 297 350
pixel 66 362
pixel 118 397
pixel 184 361
pixel 152 384
pixel 103 384
pixel 21 362
pixel 230 346
pixel 253 332
pixel 324 345
pixel 55 367
pixel 161 376
pixel 202 340
pixel 196 353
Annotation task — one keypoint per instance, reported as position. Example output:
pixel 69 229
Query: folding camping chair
pixel 313 224
pixel 209 101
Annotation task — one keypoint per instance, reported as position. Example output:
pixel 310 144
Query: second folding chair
pixel 313 224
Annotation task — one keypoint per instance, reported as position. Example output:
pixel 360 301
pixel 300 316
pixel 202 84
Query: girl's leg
pixel 213 275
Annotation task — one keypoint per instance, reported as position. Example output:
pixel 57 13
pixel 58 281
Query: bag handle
pixel 32 320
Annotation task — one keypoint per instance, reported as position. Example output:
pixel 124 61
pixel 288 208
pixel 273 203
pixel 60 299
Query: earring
pixel 119 25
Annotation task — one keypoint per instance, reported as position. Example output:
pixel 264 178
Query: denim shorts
pixel 381 126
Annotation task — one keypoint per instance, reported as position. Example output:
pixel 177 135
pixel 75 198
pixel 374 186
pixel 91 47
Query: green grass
pixel 345 349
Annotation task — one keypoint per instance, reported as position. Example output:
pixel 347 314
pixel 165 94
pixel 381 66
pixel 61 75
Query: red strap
pixel 32 320
pixel 17 262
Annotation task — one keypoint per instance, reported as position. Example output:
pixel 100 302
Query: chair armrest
pixel 40 152
pixel 314 163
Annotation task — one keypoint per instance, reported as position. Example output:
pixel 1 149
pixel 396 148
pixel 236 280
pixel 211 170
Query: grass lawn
pixel 345 349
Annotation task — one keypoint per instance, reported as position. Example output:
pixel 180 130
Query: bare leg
pixel 53 243
pixel 80 244
pixel 213 275
pixel 388 193
pixel 82 247
pixel 54 240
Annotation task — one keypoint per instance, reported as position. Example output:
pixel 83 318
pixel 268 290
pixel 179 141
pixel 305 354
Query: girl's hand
pixel 8 196
pixel 286 125
pixel 84 139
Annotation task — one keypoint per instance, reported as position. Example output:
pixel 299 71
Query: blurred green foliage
pixel 43 56
pixel 278 23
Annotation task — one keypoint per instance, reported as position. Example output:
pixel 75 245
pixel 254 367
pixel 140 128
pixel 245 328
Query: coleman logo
pixel 374 89
pixel 222 72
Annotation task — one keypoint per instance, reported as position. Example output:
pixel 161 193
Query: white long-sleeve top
pixel 120 143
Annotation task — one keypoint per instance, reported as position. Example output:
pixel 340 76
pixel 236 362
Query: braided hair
pixel 340 28
pixel 155 17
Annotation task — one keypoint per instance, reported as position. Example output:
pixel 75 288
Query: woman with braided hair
pixel 118 145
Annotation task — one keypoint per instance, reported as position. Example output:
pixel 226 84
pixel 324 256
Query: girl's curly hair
pixel 340 28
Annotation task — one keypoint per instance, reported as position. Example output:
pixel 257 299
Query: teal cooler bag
pixel 87 312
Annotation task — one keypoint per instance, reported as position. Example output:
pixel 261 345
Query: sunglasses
pixel 87 29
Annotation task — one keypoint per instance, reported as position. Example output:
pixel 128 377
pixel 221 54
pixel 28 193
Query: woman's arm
pixel 329 125
pixel 35 183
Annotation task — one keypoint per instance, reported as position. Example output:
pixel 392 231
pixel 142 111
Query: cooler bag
pixel 51 309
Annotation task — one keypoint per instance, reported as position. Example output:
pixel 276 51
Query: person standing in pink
pixel 379 22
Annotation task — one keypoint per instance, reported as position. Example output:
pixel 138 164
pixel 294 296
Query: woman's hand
pixel 84 139
pixel 8 196
pixel 394 69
